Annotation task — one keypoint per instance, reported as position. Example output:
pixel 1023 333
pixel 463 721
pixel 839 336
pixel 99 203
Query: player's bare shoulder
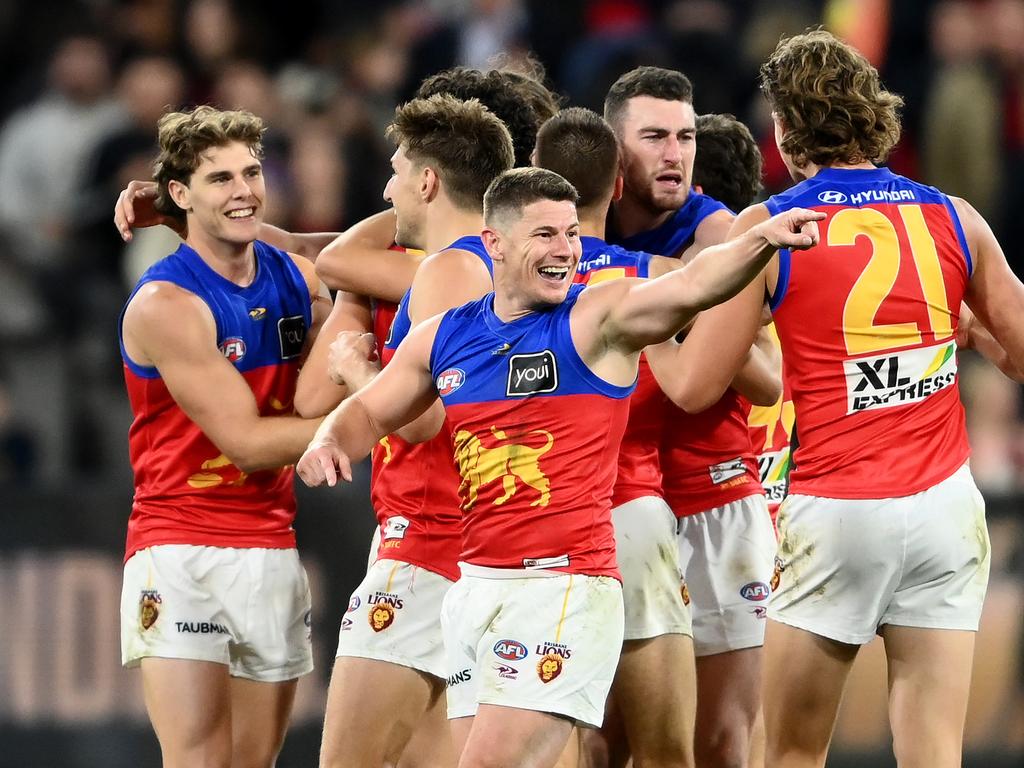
pixel 712 230
pixel 158 313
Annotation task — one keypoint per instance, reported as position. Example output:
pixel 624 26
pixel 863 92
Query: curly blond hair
pixel 830 101
pixel 185 136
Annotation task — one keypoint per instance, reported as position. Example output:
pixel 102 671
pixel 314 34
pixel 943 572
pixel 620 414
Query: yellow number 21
pixel 875 283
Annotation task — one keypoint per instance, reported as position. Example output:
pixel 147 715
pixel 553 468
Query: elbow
pixel 692 399
pixel 327 270
pixel 249 461
pixel 767 395
pixel 419 433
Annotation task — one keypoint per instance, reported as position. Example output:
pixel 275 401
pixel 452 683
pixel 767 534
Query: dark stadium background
pixel 83 83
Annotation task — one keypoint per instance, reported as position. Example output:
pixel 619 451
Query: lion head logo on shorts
pixel 149 608
pixel 776 574
pixel 381 616
pixel 685 591
pixel 550 666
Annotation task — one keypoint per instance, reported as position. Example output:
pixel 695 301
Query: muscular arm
pixel 648 312
pixel 362 261
pixel 315 392
pixel 306 244
pixel 173 330
pixel 718 344
pixel 760 378
pixel 994 294
pixel 400 393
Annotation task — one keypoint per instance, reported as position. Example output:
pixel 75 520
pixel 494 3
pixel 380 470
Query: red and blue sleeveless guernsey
pixel 415 487
pixel 676 234
pixel 186 489
pixel 867 320
pixel 536 435
pixel 707 459
pixel 639 470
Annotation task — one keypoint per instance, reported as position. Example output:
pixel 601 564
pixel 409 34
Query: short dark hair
pixel 830 100
pixel 580 146
pixel 658 83
pixel 184 137
pixel 462 140
pixel 728 162
pixel 515 189
pixel 520 102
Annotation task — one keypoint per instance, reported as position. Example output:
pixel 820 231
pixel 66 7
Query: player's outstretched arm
pixel 134 210
pixel 400 393
pixel 652 311
pixel 317 391
pixel 173 330
pixel 361 260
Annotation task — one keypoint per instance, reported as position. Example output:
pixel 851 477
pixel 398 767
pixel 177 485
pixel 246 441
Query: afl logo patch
pixel 450 380
pixel 233 348
pixel 831 197
pixel 510 650
pixel 756 591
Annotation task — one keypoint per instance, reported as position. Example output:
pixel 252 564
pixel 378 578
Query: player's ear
pixel 430 184
pixel 618 187
pixel 492 242
pixel 180 194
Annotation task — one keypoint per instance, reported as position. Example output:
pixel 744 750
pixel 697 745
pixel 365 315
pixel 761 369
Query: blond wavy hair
pixel 830 100
pixel 185 136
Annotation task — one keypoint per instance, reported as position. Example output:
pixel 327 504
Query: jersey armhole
pixel 960 236
pixel 782 283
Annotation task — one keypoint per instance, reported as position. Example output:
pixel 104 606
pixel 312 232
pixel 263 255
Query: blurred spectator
pixel 961 147
pixel 44 149
pixel 1006 33
pixel 17 444
pixel 147 88
pixel 996 435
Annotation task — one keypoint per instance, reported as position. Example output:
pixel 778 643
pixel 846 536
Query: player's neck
pixel 446 223
pixel 632 217
pixel 233 261
pixel 592 222
pixel 811 169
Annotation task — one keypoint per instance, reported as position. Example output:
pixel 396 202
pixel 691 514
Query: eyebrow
pixel 665 131
pixel 216 175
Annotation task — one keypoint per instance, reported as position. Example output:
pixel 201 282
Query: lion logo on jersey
pixel 381 616
pixel 480 465
pixel 549 667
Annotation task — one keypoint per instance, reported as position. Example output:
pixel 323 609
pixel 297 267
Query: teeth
pixel 554 271
pixel 241 213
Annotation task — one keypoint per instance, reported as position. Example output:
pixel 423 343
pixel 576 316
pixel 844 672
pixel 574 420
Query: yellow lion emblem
pixel 480 464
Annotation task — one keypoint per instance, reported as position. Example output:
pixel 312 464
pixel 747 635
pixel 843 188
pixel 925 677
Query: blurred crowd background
pixel 83 86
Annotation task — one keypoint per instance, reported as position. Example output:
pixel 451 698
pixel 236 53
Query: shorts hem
pixel 401 661
pixel 649 633
pixel 590 721
pixel 182 655
pixel 848 638
pixel 740 644
pixel 274 676
pixel 928 623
